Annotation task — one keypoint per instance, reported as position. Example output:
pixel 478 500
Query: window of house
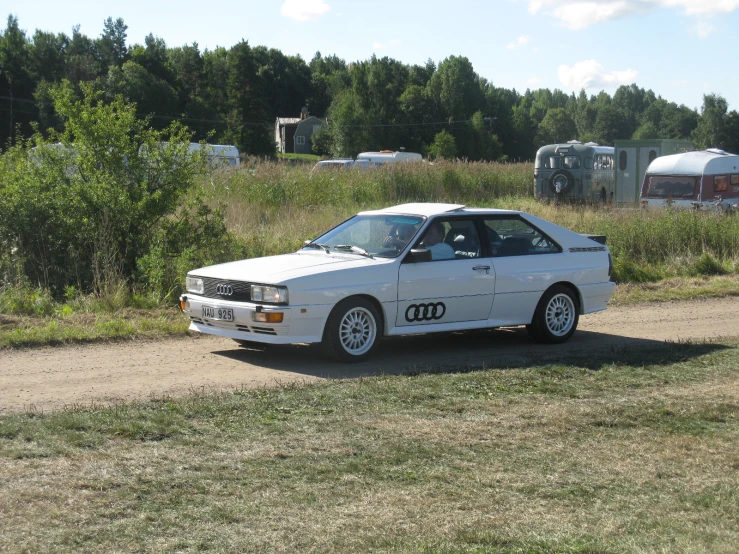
pixel 652 155
pixel 300 140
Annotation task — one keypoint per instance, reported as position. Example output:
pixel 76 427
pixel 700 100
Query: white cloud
pixel 304 10
pixel 578 14
pixel 702 29
pixel 589 74
pixel 520 41
pixel 702 7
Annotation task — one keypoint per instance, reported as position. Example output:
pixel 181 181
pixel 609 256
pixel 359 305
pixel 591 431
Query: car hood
pixel 280 269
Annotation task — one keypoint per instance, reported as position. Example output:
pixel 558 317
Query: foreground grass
pixel 676 289
pixel 22 330
pixel 627 451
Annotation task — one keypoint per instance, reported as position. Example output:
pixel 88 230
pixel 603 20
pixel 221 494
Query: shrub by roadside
pixel 104 203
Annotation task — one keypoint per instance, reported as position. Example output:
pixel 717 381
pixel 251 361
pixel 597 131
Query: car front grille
pixel 241 290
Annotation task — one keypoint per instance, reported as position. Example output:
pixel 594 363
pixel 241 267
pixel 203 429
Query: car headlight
pixel 194 285
pixel 271 294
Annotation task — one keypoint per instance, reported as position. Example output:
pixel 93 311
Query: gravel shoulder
pixel 50 378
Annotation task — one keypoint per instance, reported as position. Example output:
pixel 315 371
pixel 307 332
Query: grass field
pixel 625 451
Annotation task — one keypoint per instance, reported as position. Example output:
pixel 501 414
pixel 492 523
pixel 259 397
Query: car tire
pixel 564 178
pixel 352 330
pixel 556 316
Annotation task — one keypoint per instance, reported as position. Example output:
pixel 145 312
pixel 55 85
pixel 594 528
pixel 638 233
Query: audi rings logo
pixel 225 290
pixel 425 312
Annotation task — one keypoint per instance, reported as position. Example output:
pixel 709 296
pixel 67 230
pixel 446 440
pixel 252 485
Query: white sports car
pixel 414 268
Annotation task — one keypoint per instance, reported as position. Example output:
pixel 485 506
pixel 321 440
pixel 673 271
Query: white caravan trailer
pixel 704 180
pixel 389 156
pixel 219 155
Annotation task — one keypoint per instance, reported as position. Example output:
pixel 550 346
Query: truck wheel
pixel 352 330
pixel 556 316
pixel 562 180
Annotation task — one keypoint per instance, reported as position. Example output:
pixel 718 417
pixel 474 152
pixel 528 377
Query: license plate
pixel 220 314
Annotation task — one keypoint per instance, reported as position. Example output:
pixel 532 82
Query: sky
pixel 680 49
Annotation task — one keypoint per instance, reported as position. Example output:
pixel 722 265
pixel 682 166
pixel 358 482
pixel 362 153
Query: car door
pixel 457 289
pixel 525 262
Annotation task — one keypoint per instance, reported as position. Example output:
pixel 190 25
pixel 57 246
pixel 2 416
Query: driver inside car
pixel 433 241
pixel 399 236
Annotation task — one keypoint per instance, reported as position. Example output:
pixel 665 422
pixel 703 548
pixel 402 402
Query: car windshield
pixel 384 236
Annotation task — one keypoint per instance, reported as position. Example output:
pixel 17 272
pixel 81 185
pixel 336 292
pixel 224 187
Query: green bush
pixel 84 207
pixel 25 300
pixel 707 265
pixel 625 271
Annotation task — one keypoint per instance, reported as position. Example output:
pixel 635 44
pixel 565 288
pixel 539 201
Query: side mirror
pixel 418 255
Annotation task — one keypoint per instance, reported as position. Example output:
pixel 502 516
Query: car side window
pixel 452 239
pixel 515 237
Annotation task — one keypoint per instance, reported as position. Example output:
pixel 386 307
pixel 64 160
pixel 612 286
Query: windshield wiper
pixel 325 247
pixel 354 249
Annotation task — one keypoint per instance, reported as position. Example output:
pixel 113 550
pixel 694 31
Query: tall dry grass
pixel 272 207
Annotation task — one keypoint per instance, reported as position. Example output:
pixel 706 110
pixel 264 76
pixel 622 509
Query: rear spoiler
pixel 600 239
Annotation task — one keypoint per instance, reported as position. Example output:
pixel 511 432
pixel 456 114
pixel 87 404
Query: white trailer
pixel 700 180
pixel 389 156
pixel 219 155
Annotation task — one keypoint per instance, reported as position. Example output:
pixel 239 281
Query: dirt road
pixel 50 378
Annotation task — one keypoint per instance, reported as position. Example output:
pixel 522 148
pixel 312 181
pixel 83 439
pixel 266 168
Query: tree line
pixel 233 95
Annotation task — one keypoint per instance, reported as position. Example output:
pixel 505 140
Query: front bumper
pixel 300 324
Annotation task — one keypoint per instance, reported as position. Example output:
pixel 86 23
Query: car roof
pixel 429 209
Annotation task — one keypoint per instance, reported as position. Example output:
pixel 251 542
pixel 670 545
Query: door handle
pixel 481 267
